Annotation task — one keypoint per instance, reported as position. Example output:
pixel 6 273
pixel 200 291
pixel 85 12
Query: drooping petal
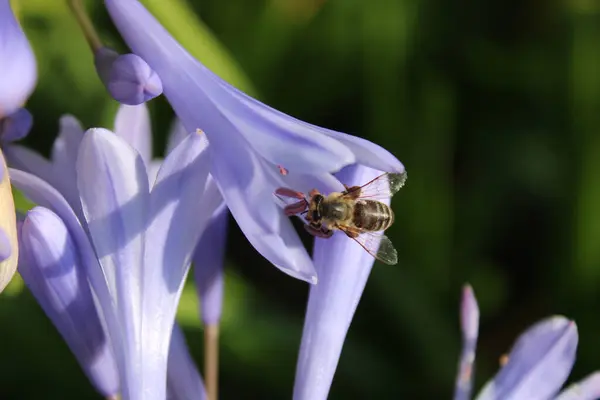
pixel 132 123
pixel 64 161
pixel 469 318
pixel 208 266
pixel 183 379
pixel 277 137
pixel 539 363
pixel 113 186
pixel 331 304
pixel 15 126
pixel 8 227
pixel 18 71
pixel 587 389
pixel 50 267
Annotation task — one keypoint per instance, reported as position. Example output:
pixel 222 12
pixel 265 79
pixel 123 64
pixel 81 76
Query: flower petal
pixel 25 159
pixel 177 133
pixel 469 317
pixel 208 266
pixel 64 161
pixel 189 87
pixel 50 267
pixel 16 125
pixel 132 123
pixel 18 71
pixel 8 226
pixel 539 363
pixel 587 389
pixel 113 186
pixel 331 305
pixel 183 379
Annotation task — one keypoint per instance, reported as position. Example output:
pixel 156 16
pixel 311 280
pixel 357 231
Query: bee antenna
pixel 303 212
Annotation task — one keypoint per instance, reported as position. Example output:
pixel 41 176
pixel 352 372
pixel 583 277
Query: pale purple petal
pixel 153 169
pixel 539 363
pixel 331 304
pixel 177 133
pixel 208 259
pixel 15 126
pixel 18 71
pixel 43 194
pixel 587 389
pixel 64 161
pixel 5 248
pixel 469 318
pixel 8 226
pixel 25 159
pixel 132 123
pixel 50 267
pixel 202 100
pixel 183 379
pixel 113 186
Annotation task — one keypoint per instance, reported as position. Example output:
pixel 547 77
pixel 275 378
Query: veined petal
pixel 274 135
pixel 50 268
pixel 15 126
pixel 8 226
pixel 18 71
pixel 209 257
pixel 113 186
pixel 183 379
pixel 539 363
pixel 43 194
pixel 132 123
pixel 64 161
pixel 469 318
pixel 331 305
pixel 587 389
pixel 248 192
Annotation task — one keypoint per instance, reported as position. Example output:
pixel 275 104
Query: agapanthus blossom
pixel 250 141
pixel 537 366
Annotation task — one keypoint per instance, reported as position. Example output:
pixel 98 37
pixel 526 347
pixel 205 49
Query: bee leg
pixel 317 232
pixel 351 232
pixel 353 192
pixel 313 192
pixel 295 208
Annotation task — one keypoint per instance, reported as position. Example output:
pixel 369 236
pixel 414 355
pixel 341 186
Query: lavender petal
pixel 469 317
pixel 331 305
pixel 177 133
pixel 18 70
pixel 132 81
pixel 183 379
pixel 209 257
pixel 587 389
pixel 16 126
pixel 539 363
pixel 132 123
pixel 50 268
pixel 25 159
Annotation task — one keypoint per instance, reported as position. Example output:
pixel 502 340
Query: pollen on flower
pixel 199 131
pixel 282 170
pixel 503 360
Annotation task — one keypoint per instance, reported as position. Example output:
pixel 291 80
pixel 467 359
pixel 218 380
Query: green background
pixel 494 108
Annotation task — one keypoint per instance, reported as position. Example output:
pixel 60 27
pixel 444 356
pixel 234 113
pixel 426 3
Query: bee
pixel 356 211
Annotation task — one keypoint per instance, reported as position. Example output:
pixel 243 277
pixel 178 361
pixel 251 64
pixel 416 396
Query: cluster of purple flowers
pixel 109 244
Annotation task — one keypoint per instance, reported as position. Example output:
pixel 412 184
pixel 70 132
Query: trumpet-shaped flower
pixel 538 364
pixel 51 268
pixel 18 70
pixel 127 77
pixel 9 252
pixel 331 305
pixel 250 141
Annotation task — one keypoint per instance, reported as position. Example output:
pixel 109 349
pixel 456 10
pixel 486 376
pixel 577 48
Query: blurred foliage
pixel 494 107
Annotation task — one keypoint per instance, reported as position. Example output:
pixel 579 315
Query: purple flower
pixel 343 267
pixel 128 78
pixel 183 379
pixel 9 248
pixel 51 267
pixel 250 141
pixel 18 71
pixel 538 364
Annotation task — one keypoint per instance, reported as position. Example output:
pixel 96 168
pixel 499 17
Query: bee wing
pixel 376 244
pixel 383 187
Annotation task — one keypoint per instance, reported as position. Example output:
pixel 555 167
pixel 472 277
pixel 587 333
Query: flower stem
pixel 211 360
pixel 86 24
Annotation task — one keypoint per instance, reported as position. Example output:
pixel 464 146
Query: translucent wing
pixel 376 244
pixel 380 188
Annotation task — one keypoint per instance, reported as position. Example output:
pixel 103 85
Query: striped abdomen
pixel 371 215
